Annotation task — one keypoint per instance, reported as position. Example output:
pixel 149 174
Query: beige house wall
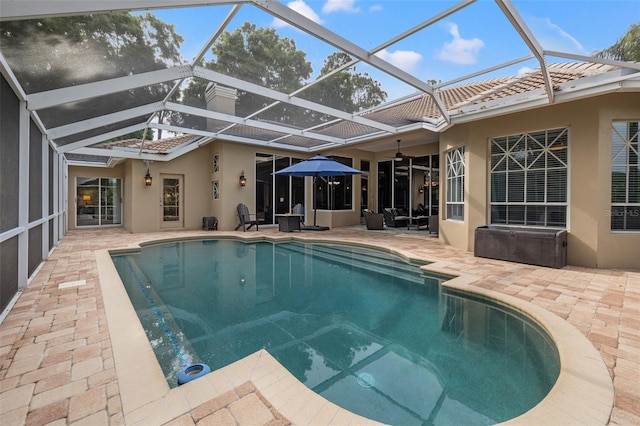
pixel 142 204
pixel 127 194
pixel 590 240
pixel 615 249
pixel 193 168
pixel 142 211
pixel 234 158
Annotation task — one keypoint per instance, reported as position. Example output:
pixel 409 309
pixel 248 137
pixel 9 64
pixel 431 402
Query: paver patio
pixel 57 365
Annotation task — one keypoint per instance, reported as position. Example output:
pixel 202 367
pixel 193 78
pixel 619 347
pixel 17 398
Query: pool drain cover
pixel 366 380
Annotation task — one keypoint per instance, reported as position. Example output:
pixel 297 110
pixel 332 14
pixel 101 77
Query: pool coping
pixel 147 398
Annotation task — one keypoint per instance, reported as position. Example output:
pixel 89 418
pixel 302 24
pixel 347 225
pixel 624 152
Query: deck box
pixel 534 246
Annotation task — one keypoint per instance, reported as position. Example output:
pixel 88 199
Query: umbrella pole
pixel 315 204
pixel 315 227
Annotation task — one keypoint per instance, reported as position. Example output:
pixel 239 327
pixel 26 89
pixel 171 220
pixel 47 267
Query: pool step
pixel 368 260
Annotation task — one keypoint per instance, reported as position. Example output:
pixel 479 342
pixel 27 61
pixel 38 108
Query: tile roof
pixel 484 91
pixel 162 146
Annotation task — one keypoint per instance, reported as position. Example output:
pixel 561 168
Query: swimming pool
pixel 362 328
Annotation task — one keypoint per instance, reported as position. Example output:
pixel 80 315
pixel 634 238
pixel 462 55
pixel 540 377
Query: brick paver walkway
pixel 56 363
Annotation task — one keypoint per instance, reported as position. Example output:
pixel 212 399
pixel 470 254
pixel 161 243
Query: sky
pixel 472 39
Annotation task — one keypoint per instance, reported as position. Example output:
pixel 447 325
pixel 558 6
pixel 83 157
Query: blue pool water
pixel 361 327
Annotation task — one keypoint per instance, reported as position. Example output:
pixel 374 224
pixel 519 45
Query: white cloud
pixel 406 60
pixel 375 8
pixel 303 9
pixel 524 70
pixel 340 6
pixel 552 37
pixel 460 50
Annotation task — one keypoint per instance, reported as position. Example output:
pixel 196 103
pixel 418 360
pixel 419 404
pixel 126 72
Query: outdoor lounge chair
pixel 373 220
pixel 394 219
pixel 245 218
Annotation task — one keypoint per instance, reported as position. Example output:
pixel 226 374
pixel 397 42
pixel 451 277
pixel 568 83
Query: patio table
pixel 289 222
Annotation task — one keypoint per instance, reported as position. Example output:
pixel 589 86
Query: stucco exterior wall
pixel 193 168
pixel 127 194
pixel 234 158
pixel 590 241
pixel 615 249
pixel 142 211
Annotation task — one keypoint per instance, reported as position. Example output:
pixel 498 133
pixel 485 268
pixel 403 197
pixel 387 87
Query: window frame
pixel 455 176
pixel 624 210
pixel 104 200
pixel 215 190
pixel 537 159
pixel 216 163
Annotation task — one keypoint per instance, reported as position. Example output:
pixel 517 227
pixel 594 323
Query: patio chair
pixel 298 210
pixel 374 221
pixel 245 218
pixel 393 218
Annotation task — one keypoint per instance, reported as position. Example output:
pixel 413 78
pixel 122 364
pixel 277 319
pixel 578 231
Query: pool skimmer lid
pixel 366 380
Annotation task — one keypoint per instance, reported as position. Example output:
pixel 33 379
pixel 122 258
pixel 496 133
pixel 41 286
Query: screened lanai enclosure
pixel 78 77
pixel 94 71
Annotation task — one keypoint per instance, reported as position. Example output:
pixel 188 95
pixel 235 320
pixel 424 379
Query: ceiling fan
pixel 400 156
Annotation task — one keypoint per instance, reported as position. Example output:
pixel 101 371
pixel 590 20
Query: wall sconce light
pixel 242 281
pixel 242 180
pixel 420 189
pixel 86 198
pixel 148 178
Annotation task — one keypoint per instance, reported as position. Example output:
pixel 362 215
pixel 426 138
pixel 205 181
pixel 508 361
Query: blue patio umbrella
pixel 315 167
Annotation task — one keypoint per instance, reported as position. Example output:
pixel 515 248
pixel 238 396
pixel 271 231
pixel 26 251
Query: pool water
pixel 361 327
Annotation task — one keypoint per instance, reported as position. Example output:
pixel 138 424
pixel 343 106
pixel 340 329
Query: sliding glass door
pixel 98 201
pixel 412 184
pixel 276 194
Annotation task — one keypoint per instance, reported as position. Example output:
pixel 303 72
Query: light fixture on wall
pixel 242 180
pixel 147 178
pixel 86 197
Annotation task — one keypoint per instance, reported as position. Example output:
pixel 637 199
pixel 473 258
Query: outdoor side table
pixel 418 221
pixel 288 222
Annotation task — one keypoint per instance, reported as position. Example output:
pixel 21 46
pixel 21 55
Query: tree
pixel 346 90
pixel 134 135
pixel 53 53
pixel 261 56
pixel 60 52
pixel 627 48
